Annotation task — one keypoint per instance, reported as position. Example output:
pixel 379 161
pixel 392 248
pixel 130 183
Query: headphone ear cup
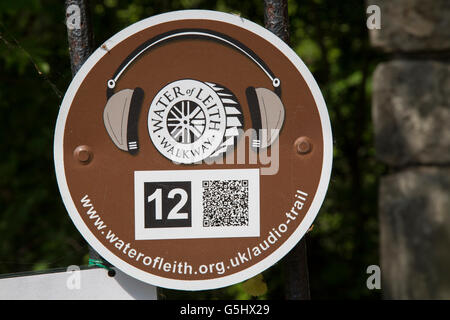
pixel 133 117
pixel 120 118
pixel 267 113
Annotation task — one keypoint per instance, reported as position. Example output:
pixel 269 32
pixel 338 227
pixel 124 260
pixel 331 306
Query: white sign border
pixel 295 236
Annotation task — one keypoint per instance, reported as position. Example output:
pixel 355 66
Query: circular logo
pixel 187 120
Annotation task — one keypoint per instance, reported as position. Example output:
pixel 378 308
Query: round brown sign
pixel 193 150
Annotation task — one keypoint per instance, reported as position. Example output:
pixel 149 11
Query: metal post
pixel 81 44
pixel 276 19
pixel 296 266
pixel 79 32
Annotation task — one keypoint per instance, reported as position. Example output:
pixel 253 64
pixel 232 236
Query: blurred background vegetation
pixel 330 36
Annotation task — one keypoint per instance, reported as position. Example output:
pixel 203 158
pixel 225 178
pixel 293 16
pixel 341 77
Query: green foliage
pixel 255 287
pixel 331 38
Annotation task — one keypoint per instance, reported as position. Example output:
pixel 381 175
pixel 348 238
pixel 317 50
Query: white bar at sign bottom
pixel 239 199
pixel 76 284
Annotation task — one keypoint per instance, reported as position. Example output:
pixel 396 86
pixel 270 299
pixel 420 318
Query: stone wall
pixel 411 117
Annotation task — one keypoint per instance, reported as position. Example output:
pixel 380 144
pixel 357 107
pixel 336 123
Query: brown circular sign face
pixel 193 150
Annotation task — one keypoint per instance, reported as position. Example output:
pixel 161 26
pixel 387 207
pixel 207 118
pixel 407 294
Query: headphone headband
pixel 192 34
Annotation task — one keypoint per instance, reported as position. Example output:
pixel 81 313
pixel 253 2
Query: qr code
pixel 225 203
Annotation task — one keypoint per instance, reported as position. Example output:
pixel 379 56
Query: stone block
pixel 411 112
pixel 412 25
pixel 414 210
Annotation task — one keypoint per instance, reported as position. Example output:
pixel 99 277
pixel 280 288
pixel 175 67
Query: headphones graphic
pixel 122 109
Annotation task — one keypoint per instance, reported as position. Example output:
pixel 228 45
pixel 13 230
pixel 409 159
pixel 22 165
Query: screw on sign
pixel 164 175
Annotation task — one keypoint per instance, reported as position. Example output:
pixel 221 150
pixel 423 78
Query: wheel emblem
pixel 186 121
